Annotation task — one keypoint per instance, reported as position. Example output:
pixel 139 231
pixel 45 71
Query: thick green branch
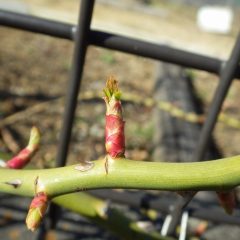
pixel 122 173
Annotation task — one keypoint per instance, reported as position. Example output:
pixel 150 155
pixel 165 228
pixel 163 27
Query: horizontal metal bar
pixel 155 51
pixel 114 42
pixel 36 25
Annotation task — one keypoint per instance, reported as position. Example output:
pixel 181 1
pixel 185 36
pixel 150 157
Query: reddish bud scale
pixel 39 200
pixel 114 136
pixel 20 160
pixel 227 200
pixel 114 130
pixel 36 211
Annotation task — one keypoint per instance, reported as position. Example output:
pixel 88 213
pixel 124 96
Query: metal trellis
pixel 83 36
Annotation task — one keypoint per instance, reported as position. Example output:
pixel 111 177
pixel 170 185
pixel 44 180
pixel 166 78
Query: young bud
pixel 114 131
pixel 227 201
pixel 36 211
pixel 24 156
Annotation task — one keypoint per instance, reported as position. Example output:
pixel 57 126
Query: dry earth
pixel 35 68
pixel 35 64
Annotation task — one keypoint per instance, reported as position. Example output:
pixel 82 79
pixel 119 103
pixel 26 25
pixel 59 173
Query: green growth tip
pixel 111 89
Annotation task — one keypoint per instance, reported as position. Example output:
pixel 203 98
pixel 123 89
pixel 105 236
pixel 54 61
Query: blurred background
pixel 36 67
pixel 34 74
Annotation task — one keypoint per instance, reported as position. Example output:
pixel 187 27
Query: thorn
pixel 35 184
pixel 36 181
pixel 186 194
pixel 106 164
pixel 15 183
pixel 84 166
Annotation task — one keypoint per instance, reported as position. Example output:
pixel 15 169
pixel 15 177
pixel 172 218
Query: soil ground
pixel 34 64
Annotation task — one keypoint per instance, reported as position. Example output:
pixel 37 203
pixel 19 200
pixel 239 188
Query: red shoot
pixel 25 155
pixel 114 131
pixel 36 211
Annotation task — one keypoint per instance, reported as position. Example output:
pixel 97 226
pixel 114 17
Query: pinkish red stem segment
pixel 114 131
pixel 25 155
pixel 36 211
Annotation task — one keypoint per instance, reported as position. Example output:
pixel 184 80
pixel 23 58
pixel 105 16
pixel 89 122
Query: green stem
pixel 122 173
pixel 113 220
